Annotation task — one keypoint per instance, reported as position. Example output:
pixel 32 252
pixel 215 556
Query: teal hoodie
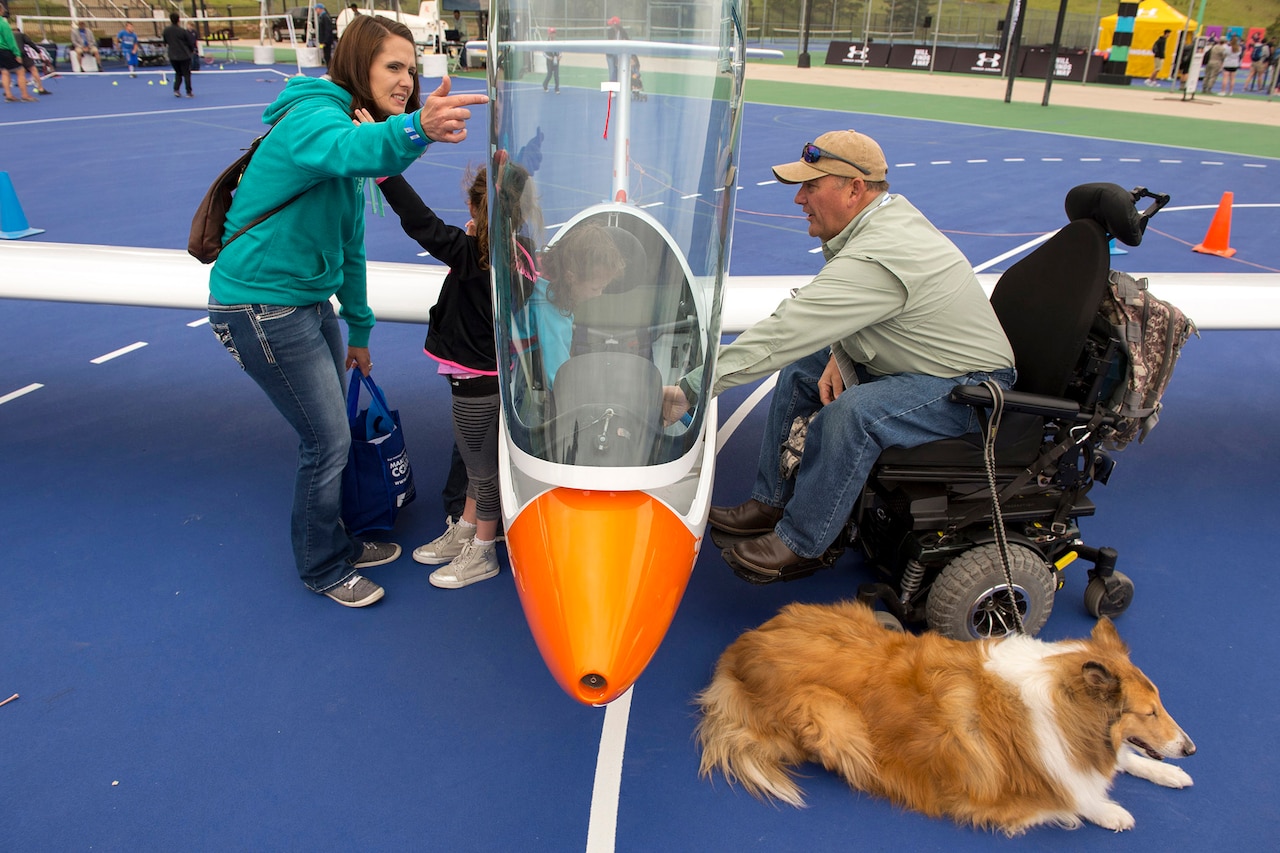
pixel 314 247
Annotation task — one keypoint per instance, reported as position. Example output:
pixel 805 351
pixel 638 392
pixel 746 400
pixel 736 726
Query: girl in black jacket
pixel 460 339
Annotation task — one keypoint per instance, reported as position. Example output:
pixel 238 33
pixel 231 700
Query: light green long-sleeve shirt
pixel 895 294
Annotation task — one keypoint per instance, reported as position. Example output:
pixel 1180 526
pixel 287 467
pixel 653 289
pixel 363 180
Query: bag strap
pixel 273 211
pixel 379 411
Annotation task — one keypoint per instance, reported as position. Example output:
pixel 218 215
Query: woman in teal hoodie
pixel 269 289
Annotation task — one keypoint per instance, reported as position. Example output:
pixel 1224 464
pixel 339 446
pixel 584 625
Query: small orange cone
pixel 1218 237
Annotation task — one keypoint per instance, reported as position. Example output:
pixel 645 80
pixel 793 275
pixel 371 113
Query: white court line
pixel 1009 254
pixel 21 392
pixel 740 414
pixel 122 351
pixel 202 321
pixel 602 829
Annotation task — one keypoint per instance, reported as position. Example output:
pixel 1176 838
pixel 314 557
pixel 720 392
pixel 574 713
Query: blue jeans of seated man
pixel 845 439
pixel 298 357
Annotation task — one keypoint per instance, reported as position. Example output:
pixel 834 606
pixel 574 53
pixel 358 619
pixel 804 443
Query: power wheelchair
pixel 925 516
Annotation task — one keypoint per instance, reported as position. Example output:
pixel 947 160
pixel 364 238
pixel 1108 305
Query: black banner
pixel 975 60
pixel 857 54
pixel 922 57
pixel 1069 66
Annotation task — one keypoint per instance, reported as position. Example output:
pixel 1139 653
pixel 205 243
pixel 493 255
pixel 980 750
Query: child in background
pixel 127 43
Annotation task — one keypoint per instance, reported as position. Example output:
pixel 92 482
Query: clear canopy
pixel 611 205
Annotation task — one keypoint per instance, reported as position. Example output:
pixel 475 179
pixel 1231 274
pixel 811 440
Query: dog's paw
pixel 1170 776
pixel 1112 816
pixel 1159 772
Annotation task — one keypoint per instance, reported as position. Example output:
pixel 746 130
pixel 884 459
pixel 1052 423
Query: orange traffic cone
pixel 1218 237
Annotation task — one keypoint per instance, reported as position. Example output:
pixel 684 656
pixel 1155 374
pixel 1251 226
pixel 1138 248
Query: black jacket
pixel 461 321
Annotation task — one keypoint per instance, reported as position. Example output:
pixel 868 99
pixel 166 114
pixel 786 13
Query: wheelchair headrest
pixel 1114 208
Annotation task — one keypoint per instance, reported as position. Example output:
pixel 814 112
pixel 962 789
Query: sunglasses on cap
pixel 812 154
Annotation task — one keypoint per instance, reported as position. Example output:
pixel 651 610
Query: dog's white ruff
pixel 1021 662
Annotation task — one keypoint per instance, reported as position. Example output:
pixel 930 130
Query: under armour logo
pixel 986 60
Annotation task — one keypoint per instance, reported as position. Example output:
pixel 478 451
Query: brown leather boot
pixel 766 559
pixel 749 519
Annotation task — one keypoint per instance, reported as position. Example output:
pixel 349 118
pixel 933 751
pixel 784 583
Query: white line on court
pixel 602 829
pixel 116 354
pixel 21 392
pixel 735 420
pixel 202 321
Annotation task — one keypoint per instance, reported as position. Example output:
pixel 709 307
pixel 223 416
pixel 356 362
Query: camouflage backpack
pixel 1152 333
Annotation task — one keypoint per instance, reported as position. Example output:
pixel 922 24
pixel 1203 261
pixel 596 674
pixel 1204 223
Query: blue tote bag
pixel 378 481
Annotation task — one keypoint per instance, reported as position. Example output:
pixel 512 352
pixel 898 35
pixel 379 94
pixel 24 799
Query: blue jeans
pixel 298 357
pixel 845 439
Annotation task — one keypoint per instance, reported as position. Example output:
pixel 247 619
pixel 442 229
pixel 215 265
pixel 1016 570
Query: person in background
pixel 83 43
pixel 869 351
pixel 10 61
pixel 326 32
pixel 270 290
pixel 127 44
pixel 345 17
pixel 181 44
pixel 1231 64
pixel 1259 60
pixel 1213 59
pixel 553 63
pixel 1157 57
pixel 460 26
pixel 615 31
pixel 33 58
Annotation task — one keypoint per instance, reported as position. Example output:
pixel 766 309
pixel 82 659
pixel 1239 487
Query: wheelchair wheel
pixel 888 621
pixel 1108 596
pixel 970 599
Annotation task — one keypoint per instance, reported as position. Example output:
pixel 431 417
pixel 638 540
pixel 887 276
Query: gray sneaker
pixel 475 563
pixel 377 554
pixel 446 546
pixel 357 591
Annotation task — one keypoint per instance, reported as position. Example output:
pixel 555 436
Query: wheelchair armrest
pixel 979 396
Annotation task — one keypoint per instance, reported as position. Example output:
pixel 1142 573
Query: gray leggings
pixel 475 429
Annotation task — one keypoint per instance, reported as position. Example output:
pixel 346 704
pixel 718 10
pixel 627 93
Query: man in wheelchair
pixel 870 351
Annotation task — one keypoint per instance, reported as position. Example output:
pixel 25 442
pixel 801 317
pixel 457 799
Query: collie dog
pixel 1006 734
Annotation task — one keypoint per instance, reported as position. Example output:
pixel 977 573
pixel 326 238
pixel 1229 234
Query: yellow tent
pixel 1152 19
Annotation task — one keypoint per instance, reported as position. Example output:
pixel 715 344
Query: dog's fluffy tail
pixel 742 746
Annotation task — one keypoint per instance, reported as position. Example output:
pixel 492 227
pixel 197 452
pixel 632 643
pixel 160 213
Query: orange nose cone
pixel 600 575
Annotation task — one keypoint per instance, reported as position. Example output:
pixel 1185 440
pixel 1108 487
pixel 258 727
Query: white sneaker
pixel 447 545
pixel 475 563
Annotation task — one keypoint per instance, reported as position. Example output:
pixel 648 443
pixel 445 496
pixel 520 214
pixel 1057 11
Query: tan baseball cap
pixel 840 152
